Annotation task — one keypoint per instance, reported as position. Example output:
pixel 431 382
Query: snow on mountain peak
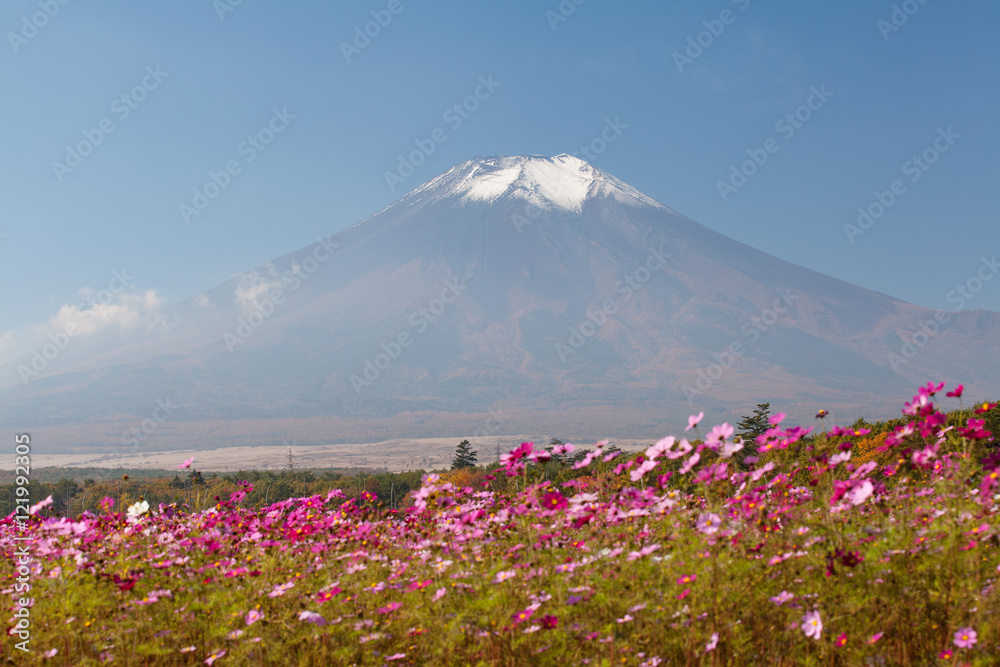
pixel 562 182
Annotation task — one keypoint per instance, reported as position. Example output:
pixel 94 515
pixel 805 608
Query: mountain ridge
pixel 540 249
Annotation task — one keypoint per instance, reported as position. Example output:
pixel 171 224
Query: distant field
pixel 393 455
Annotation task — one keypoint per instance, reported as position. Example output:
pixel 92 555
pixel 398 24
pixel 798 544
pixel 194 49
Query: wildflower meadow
pixel 793 549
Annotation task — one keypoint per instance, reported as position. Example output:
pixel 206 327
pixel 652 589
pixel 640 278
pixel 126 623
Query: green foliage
pixel 752 426
pixel 465 457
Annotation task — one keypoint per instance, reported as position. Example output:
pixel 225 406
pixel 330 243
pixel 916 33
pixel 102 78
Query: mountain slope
pixel 540 285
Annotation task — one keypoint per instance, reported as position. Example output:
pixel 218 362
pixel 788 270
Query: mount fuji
pixel 520 294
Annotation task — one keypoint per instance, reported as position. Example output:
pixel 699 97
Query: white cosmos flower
pixel 137 510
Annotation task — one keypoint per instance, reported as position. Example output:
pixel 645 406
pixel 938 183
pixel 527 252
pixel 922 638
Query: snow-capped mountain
pixel 541 289
pixel 562 183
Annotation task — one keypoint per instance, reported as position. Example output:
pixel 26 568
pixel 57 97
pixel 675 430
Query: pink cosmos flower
pixel 709 523
pixel 504 575
pixel 930 389
pixel 587 459
pixel 41 505
pixel 717 472
pixel 693 420
pixel 645 551
pixel 280 589
pixel 312 617
pixel 187 464
pixel 641 471
pixel 683 447
pixel 812 624
pixel 730 448
pixel 957 393
pixel 660 448
pixel 761 471
pixel 860 493
pixel 389 608
pixel 965 638
pixel 915 406
pixel 253 616
pixel 719 433
pixel 690 463
pixel 215 656
pixel 522 616
pixel 875 637
pixel 712 642
pixel 541 456
pixel 776 419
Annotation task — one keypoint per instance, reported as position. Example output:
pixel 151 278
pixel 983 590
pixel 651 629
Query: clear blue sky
pixel 325 170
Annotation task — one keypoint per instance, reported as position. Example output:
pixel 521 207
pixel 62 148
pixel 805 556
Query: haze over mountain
pixel 542 289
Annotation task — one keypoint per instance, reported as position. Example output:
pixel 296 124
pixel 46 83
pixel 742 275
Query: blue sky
pixel 558 81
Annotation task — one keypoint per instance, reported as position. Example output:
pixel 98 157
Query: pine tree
pixel 751 427
pixel 464 456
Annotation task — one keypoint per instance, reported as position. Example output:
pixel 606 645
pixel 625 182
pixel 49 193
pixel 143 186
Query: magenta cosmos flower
pixel 554 501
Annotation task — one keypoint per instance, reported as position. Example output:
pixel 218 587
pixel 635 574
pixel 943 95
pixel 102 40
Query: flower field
pixel 791 550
